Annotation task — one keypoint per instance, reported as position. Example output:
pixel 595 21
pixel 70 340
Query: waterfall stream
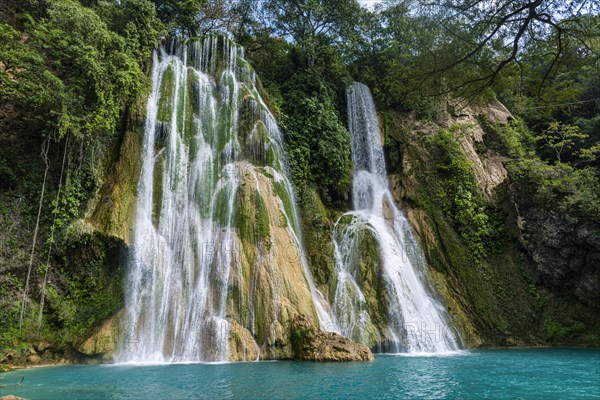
pixel 216 229
pixel 377 255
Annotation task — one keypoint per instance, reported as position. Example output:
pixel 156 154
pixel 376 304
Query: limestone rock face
pixel 114 207
pixel 103 342
pixel 366 264
pixel 311 344
pixel 270 285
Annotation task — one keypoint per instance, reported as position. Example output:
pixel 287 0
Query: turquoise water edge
pixel 493 374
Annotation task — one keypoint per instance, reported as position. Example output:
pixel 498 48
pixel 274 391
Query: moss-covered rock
pixel 268 284
pixel 167 95
pixel 362 255
pixel 113 210
pixel 311 344
pixel 103 342
pixel 317 229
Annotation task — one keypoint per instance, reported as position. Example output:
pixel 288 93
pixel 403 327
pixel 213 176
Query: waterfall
pixel 377 235
pixel 216 229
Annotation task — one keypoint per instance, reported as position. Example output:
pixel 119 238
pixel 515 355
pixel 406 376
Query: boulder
pixel 311 344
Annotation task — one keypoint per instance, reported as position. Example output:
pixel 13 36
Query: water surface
pixel 492 374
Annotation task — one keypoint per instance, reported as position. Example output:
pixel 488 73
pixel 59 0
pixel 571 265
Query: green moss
pixel 558 333
pixel 167 93
pixel 302 336
pixel 369 264
pixel 157 189
pixel 512 139
pixel 256 148
pixel 113 209
pixel 246 115
pixel 272 157
pixel 266 173
pixel 89 291
pixel 222 129
pixel 493 292
pixel 317 229
pixel 568 322
pixel 496 289
pixel 190 105
pixel 453 188
pixel 222 207
pixel 244 216
pixel 281 192
pixel 263 229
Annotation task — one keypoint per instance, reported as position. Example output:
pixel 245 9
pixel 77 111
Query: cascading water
pixel 377 236
pixel 206 269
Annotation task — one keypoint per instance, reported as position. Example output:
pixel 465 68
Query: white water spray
pixel 185 258
pixel 414 321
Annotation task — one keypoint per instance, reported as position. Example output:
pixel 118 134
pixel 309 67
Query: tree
pixel 304 20
pixel 313 23
pixel 561 138
pixel 136 21
pixel 503 29
pixel 193 18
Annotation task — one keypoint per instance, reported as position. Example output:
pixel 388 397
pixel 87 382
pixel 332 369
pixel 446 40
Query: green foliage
pixel 68 206
pixel 561 138
pixel 304 20
pixel 8 178
pixel 559 333
pixel 68 72
pixel 315 127
pixel 74 71
pixel 101 76
pixel 317 232
pixel 9 312
pixel 26 82
pixel 71 72
pixel 575 192
pixel 302 336
pixel 456 193
pixel 512 139
pixel 196 18
pixel 136 21
pixel 307 83
pixel 90 289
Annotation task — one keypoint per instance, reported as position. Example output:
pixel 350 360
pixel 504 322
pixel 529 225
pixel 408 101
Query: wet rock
pixel 311 344
pixel 103 341
pixel 270 277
